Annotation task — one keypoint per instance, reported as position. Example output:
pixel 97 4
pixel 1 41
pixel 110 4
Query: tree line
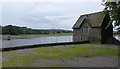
pixel 17 30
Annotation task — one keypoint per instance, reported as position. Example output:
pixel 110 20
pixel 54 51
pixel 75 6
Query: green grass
pixel 58 34
pixel 74 51
pixel 14 58
pixel 106 45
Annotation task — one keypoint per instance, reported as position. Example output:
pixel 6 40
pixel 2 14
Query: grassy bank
pixel 58 34
pixel 35 35
pixel 28 56
pixel 116 34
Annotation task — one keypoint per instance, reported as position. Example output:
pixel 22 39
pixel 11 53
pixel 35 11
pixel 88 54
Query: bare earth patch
pixel 98 61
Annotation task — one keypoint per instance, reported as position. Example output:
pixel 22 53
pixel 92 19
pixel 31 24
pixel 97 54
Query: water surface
pixel 36 40
pixel 117 37
pixel 39 40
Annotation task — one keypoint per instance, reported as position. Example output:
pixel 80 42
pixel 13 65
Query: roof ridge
pixel 94 19
pixel 92 13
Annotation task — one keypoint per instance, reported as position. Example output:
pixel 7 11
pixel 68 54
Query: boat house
pixel 92 27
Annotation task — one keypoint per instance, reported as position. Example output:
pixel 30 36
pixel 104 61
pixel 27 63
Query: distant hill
pixel 16 30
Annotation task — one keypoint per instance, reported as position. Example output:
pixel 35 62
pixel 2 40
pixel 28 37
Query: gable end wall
pixel 94 34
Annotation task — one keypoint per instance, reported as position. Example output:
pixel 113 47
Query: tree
pixel 113 8
pixel 16 30
pixel 9 29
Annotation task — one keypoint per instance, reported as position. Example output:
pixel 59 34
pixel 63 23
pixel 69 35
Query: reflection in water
pixel 36 40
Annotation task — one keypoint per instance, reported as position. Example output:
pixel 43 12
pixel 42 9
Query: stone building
pixel 92 27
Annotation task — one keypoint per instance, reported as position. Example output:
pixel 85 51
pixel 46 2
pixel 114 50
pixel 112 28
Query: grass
pixel 106 45
pixel 118 34
pixel 74 51
pixel 58 34
pixel 14 58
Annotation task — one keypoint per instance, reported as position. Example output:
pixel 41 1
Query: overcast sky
pixel 46 15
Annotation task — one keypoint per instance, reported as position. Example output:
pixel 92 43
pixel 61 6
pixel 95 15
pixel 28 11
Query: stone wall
pixel 94 34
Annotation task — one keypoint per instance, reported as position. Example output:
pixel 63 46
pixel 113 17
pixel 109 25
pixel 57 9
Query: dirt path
pixel 98 61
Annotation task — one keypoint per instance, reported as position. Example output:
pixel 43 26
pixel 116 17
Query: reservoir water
pixel 39 40
pixel 35 40
pixel 117 37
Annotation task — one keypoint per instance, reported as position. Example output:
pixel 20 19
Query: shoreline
pixel 5 37
pixel 116 34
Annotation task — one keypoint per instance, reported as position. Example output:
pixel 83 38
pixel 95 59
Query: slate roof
pixel 94 19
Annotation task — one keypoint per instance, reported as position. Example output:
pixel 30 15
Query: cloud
pixel 46 15
pixel 50 0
